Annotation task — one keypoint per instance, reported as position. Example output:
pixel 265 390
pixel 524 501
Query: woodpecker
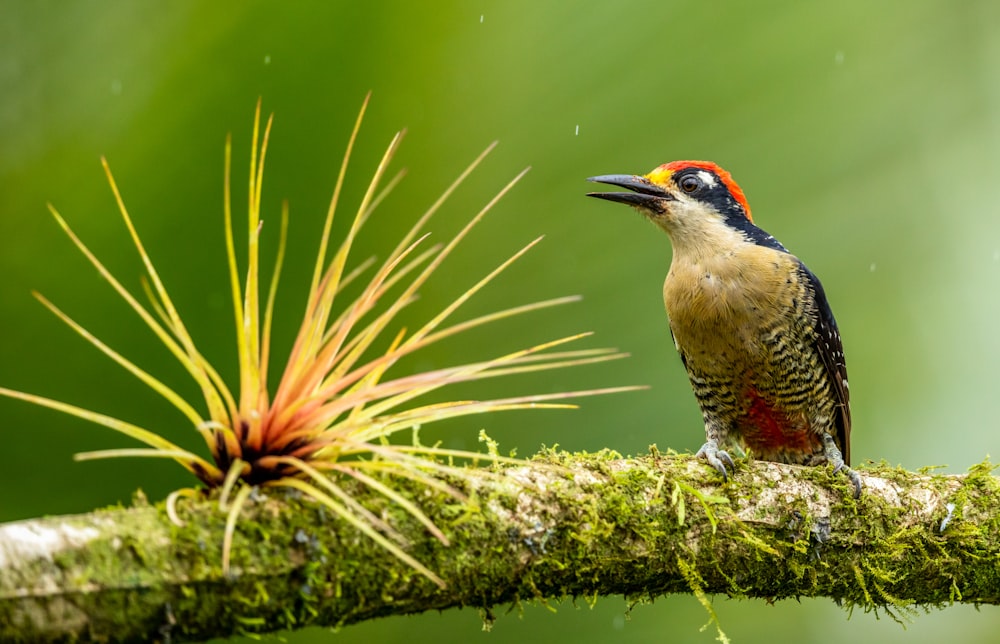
pixel 751 323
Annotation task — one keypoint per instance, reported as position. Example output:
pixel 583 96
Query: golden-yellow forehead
pixel 660 175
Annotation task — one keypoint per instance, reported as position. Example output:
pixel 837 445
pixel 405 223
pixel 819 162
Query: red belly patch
pixel 767 429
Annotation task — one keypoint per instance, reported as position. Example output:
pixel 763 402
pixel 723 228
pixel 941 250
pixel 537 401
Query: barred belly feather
pixel 748 348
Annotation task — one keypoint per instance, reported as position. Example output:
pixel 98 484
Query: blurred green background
pixel 866 135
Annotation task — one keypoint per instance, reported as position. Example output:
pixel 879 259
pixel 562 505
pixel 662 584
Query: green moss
pixel 588 525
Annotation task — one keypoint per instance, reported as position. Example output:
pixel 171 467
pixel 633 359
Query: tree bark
pixel 562 525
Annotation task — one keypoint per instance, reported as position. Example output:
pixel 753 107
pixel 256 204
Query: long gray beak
pixel 644 192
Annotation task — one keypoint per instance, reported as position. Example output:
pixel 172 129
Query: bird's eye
pixel 690 183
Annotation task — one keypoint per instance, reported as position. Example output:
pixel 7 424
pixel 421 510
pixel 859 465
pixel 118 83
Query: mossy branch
pixel 565 525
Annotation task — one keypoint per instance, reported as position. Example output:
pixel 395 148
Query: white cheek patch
pixel 707 178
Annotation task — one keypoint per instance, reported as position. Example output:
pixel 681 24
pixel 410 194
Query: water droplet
pixel 116 87
pixel 480 18
pixel 871 267
pixel 577 130
pixel 838 58
pixel 267 59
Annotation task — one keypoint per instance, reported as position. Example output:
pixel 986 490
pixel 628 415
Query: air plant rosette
pixel 335 407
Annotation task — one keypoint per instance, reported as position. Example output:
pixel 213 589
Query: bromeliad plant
pixel 335 405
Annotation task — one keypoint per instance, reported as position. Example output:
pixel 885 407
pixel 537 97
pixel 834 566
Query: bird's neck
pixel 704 241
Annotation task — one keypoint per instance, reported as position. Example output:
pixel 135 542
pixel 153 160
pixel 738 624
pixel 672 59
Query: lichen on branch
pixel 564 525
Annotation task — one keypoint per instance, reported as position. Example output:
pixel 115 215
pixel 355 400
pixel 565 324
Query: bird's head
pixel 682 197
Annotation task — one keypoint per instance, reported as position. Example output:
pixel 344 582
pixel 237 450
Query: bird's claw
pixel 717 458
pixel 854 476
pixel 835 458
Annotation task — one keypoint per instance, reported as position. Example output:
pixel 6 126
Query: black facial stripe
pixel 715 194
pixel 753 233
pixel 718 196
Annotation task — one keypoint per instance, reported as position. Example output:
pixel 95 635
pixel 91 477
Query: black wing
pixel 831 350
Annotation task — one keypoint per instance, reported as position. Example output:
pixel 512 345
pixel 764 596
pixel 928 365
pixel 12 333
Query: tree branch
pixel 565 525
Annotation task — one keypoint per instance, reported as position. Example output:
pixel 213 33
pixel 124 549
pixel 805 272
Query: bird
pixel 751 323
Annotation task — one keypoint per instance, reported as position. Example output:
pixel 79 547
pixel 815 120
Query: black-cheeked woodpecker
pixel 751 323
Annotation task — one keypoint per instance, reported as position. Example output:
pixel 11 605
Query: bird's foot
pixel 717 458
pixel 836 459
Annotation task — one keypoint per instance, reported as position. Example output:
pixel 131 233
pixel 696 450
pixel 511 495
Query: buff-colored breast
pixel 743 322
